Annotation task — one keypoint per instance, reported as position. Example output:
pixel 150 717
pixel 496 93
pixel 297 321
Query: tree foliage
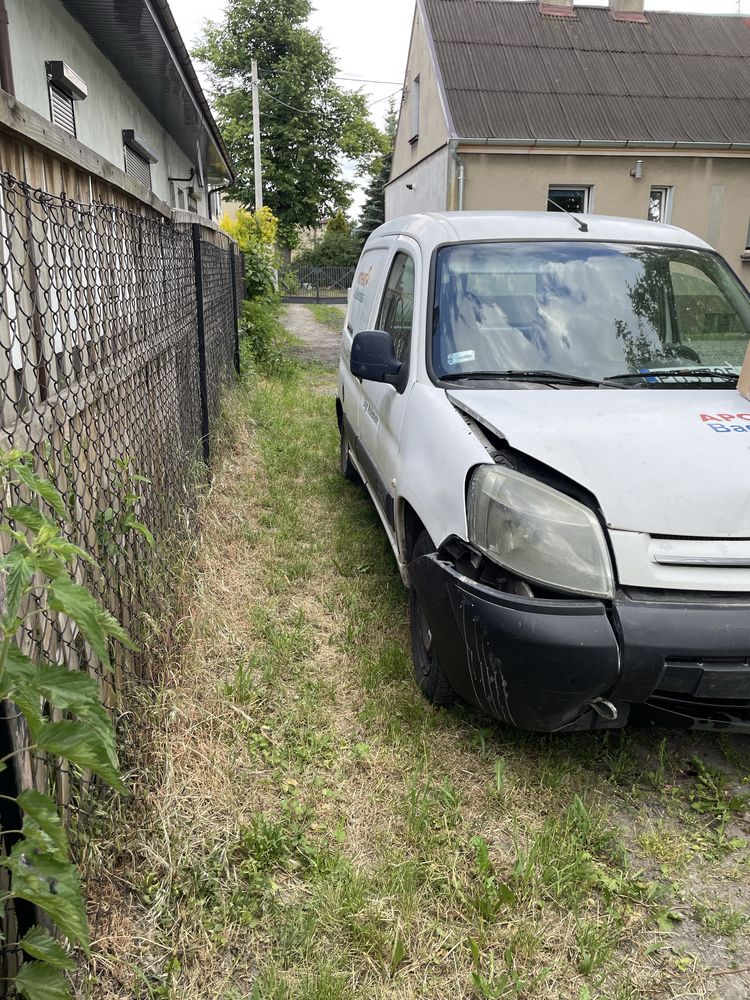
pixel 339 247
pixel 373 210
pixel 308 123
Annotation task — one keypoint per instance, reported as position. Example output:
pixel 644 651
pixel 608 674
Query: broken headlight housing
pixel 538 533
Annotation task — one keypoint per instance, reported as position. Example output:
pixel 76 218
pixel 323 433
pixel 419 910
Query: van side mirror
pixel 374 358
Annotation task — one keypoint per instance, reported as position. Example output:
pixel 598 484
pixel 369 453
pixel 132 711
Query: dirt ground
pixel 317 342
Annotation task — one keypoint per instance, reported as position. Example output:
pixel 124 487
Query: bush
pixel 256 232
pixel 263 338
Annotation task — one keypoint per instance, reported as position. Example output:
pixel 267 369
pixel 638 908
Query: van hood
pixel 660 461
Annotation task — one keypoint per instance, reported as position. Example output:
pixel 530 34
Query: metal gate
pixel 303 283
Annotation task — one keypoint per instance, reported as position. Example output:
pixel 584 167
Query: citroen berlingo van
pixel 544 410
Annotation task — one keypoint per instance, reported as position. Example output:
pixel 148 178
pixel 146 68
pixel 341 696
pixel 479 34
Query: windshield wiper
pixel 653 376
pixel 535 375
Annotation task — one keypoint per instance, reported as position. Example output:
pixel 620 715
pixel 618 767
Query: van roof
pixel 433 229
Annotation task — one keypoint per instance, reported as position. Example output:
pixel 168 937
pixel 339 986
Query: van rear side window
pixel 365 287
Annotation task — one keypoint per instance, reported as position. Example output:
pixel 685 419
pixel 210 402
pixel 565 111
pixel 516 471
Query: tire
pixel 347 468
pixel 431 679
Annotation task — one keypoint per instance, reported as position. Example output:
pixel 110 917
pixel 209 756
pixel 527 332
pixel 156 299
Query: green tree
pixel 373 210
pixel 308 123
pixel 338 248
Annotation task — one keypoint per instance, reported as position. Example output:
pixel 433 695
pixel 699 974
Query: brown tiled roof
pixel 511 72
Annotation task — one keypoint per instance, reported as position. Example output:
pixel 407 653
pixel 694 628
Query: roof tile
pixel 512 72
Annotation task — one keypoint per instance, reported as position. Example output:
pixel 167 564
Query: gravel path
pixel 319 343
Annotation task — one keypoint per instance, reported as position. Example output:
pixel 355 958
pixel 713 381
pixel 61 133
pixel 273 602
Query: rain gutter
pixel 598 144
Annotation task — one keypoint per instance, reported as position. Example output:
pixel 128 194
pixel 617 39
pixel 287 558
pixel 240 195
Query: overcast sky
pixel 371 41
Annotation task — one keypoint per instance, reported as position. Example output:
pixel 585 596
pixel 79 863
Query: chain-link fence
pixel 118 332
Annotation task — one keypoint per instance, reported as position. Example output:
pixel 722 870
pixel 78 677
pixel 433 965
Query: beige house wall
pixel 433 127
pixel 711 194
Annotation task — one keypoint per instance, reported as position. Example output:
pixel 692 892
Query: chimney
pixel 627 10
pixel 557 8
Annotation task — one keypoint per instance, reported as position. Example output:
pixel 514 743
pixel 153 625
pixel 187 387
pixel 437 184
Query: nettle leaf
pixel 39 981
pixel 39 944
pixel 41 488
pixel 52 885
pixel 93 620
pixel 19 568
pixel 67 550
pixel 81 745
pixel 41 816
pixel 20 686
pixel 27 683
pixel 30 517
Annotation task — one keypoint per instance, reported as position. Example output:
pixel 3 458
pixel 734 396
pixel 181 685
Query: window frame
pixel 379 323
pixel 668 193
pixel 588 193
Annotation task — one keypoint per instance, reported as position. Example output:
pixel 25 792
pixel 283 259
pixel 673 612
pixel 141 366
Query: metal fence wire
pixel 118 333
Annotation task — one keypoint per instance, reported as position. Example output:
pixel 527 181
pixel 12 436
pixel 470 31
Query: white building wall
pixel 428 191
pixel 42 30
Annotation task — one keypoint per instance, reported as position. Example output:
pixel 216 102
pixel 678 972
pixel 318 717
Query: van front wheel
pixel 431 679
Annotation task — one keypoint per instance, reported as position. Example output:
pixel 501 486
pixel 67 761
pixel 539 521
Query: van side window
pixel 397 307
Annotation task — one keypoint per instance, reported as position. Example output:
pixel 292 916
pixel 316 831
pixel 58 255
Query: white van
pixel 544 410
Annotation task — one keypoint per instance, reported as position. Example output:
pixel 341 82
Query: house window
pixel 414 132
pixel 65 87
pixel 137 166
pixel 569 198
pixel 660 205
pixel 138 156
pixel 62 109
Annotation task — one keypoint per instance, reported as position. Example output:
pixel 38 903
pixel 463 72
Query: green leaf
pixel 93 620
pixel 399 952
pixel 29 517
pixel 19 568
pixel 39 944
pixel 83 746
pixel 132 523
pixel 42 488
pixel 67 550
pixel 505 894
pixel 38 981
pixel 52 885
pixel 27 683
pixel 40 815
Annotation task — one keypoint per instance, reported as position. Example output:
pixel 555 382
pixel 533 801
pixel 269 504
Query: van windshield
pixel 589 310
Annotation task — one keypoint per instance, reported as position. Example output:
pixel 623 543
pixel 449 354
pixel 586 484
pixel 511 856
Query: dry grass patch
pixel 305 827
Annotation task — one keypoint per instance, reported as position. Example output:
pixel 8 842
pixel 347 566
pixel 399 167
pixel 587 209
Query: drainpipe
pixel 460 175
pixel 6 65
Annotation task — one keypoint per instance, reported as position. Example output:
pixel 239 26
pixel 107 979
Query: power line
pixel 386 98
pixel 301 111
pixel 359 79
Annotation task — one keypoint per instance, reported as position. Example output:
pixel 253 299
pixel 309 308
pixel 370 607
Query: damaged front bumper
pixel 554 665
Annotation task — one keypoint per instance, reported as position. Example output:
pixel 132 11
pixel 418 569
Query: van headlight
pixel 538 533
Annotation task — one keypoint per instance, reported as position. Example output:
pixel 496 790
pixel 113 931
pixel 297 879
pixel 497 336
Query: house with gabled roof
pixel 522 104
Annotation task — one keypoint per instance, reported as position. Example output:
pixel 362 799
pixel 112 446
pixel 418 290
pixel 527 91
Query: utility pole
pixel 256 139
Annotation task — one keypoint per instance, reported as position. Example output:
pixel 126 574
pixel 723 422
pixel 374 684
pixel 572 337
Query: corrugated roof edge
pixel 422 10
pixel 169 25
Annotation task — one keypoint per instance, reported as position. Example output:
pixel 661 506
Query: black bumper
pixel 540 664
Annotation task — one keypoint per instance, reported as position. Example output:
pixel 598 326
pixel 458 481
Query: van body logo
pixel 726 423
pixel 370 411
